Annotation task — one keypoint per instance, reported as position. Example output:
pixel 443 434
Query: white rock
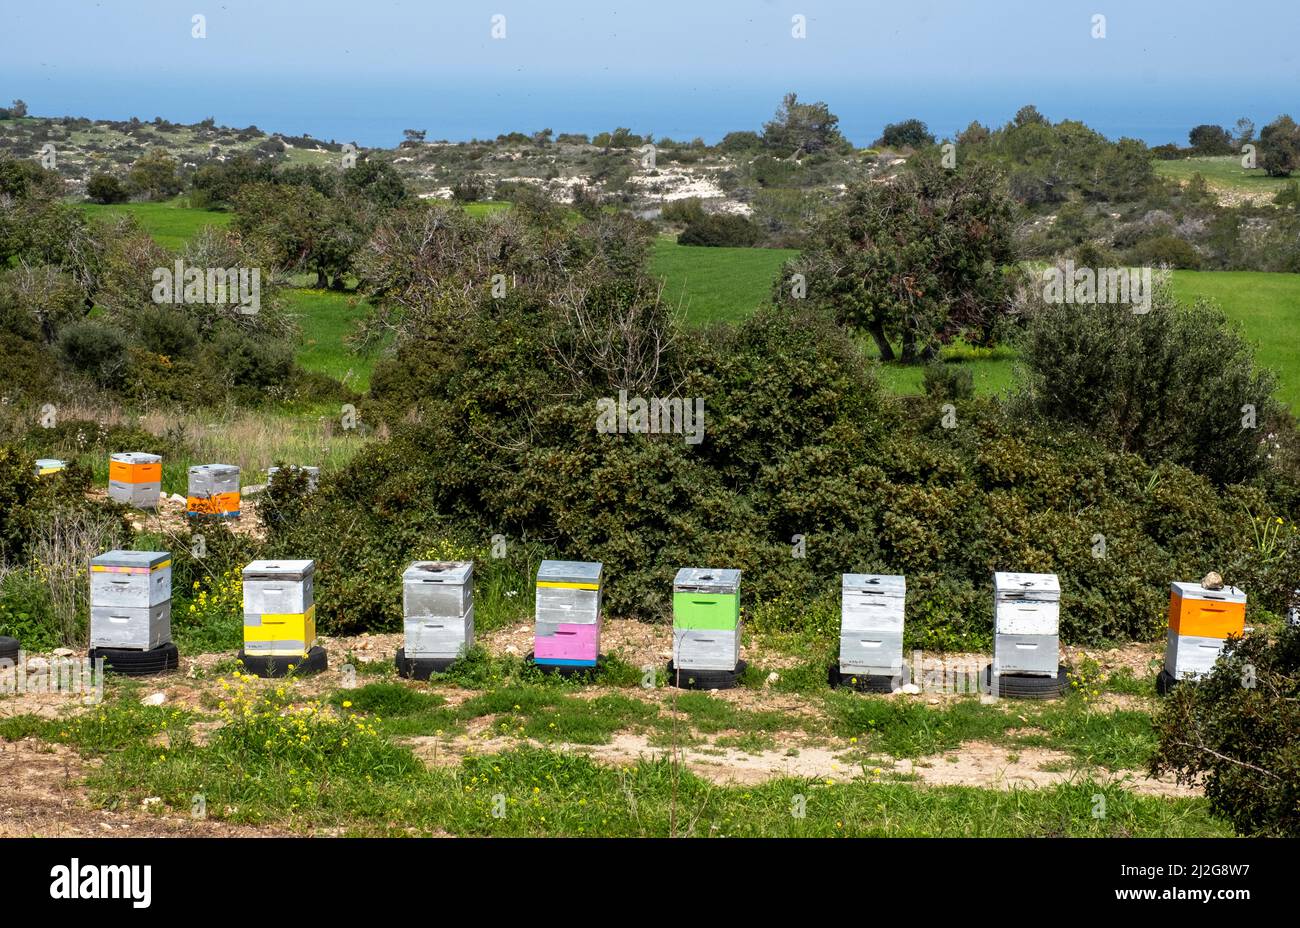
pixel 176 498
pixel 911 689
pixel 154 699
pixel 511 649
pixel 150 801
pixel 773 677
pixel 62 652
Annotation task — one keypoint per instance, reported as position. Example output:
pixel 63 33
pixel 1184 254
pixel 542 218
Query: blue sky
pixel 367 68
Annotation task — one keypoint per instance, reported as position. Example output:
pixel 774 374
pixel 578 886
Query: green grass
pixel 1224 172
pixel 1267 306
pixel 716 284
pixel 327 318
pixel 171 223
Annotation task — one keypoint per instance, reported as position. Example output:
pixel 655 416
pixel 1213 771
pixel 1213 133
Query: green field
pixel 716 284
pixel 171 223
pixel 1224 173
pixel 727 284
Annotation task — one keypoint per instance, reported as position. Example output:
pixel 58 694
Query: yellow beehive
pixel 283 635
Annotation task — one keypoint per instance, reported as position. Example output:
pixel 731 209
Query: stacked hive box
pixel 313 474
pixel 279 609
pixel 131 600
pixel 1027 613
pixel 213 491
pixel 871 624
pixel 567 631
pixel 1200 619
pixel 135 478
pixel 47 466
pixel 706 619
pixel 438 609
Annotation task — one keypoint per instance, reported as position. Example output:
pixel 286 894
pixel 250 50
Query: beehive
pixel 47 466
pixel 1026 620
pixel 568 613
pixel 1200 620
pixel 130 599
pixel 213 491
pixel 871 624
pixel 313 474
pixel 279 608
pixel 135 478
pixel 706 619
pixel 438 609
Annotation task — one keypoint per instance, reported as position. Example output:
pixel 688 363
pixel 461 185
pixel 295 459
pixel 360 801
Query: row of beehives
pixel 131 605
pixel 135 478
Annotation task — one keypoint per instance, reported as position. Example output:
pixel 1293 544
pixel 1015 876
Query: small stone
pixel 511 649
pixel 1212 581
pixel 772 678
pixel 150 801
pixel 154 699
pixel 62 652
pixel 911 689
pixel 177 498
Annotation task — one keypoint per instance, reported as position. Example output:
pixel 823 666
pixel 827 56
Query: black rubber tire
pixel 9 647
pixel 1027 686
pixel 565 670
pixel 864 683
pixel 420 668
pixel 314 662
pixel 1165 683
pixel 705 679
pixel 161 659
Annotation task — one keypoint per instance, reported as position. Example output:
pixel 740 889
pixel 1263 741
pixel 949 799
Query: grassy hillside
pixel 1222 174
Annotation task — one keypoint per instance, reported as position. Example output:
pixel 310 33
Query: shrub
pixel 721 230
pixel 948 381
pixel 1238 731
pixel 105 188
pixel 1173 384
pixel 95 350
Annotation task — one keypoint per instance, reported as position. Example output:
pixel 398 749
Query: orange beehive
pixel 1202 613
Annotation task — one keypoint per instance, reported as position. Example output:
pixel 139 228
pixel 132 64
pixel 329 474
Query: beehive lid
pixel 569 572
pixel 279 570
pixel 148 559
pixel 1229 594
pixel 883 584
pixel 44 463
pixel 707 580
pixel 1026 586
pixel 453 573
pixel 135 457
pixel 214 469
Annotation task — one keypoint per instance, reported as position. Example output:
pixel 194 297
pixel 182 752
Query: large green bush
pixel 1238 732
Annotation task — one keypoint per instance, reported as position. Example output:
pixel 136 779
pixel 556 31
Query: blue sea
pixel 375 111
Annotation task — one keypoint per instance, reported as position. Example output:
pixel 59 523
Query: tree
pixel 154 176
pixel 802 128
pixel 1210 140
pixel 1279 144
pixel 910 133
pixel 15 110
pixel 1028 115
pixel 922 259
pixel 414 136
pixel 375 181
pixel 1245 129
pixel 105 188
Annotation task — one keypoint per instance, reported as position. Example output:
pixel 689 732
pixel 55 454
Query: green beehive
pixel 706 599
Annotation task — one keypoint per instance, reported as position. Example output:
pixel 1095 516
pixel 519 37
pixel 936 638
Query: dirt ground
pixel 44 792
